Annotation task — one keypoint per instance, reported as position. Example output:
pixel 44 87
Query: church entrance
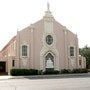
pixel 49 62
pixel 2 67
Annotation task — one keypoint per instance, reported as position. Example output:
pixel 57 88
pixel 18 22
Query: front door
pixel 49 62
pixel 2 67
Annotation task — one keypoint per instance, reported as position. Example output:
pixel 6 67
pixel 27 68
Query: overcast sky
pixel 17 14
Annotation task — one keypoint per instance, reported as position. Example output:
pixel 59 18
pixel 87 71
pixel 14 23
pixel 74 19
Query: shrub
pixel 51 72
pixel 40 72
pixel 76 71
pixel 33 72
pixel 19 72
pixel 65 71
pixel 84 70
pixel 88 70
pixel 68 71
pixel 79 71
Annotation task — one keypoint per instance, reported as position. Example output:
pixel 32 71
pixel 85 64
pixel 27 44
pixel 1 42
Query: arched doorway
pixel 49 62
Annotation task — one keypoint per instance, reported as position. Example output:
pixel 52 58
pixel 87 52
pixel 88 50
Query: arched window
pixel 24 50
pixel 49 55
pixel 80 62
pixel 71 51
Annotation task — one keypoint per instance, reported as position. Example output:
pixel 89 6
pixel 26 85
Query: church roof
pixel 8 43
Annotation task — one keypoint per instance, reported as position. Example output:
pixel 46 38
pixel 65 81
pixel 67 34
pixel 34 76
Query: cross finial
pixel 48 6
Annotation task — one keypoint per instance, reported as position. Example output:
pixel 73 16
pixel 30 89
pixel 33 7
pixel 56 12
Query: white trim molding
pixel 46 50
pixel 48 30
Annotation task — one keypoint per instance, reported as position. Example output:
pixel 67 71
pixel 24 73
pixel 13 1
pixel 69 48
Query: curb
pixel 45 76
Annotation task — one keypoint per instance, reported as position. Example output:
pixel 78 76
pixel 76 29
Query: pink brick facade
pixel 34 37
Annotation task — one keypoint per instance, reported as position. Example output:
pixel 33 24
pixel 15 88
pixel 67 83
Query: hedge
pixel 67 71
pixel 19 72
pixel 79 71
pixel 51 72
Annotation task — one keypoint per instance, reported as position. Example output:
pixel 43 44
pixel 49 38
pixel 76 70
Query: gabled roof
pixel 8 43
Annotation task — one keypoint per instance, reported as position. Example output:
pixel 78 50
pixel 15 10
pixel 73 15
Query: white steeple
pixel 48 6
pixel 48 13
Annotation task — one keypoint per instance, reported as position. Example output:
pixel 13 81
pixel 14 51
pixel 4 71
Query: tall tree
pixel 86 53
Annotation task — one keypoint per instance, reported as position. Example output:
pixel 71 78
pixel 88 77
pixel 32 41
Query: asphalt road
pixel 46 84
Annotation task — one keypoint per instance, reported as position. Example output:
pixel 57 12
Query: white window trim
pixel 27 51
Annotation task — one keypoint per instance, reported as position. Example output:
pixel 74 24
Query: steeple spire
pixel 48 12
pixel 48 6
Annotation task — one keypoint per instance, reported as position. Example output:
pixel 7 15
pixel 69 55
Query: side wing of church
pixel 43 45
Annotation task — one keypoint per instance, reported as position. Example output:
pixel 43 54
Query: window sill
pixel 72 56
pixel 24 56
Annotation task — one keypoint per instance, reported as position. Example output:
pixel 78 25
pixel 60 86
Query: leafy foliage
pixel 86 53
pixel 51 72
pixel 68 71
pixel 24 72
pixel 20 72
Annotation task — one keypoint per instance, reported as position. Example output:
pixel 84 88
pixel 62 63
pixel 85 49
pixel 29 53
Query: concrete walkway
pixel 5 77
pixel 45 76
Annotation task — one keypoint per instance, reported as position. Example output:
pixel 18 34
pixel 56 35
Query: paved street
pixel 46 84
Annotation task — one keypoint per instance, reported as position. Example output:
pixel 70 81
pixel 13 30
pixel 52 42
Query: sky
pixel 18 14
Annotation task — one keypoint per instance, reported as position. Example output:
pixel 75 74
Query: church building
pixel 43 45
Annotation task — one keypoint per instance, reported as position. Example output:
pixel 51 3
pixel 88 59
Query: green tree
pixel 86 53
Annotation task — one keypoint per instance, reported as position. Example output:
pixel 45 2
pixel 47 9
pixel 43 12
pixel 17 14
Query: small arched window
pixel 71 51
pixel 24 50
pixel 80 62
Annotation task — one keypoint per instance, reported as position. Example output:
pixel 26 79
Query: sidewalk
pixel 46 76
pixel 5 77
